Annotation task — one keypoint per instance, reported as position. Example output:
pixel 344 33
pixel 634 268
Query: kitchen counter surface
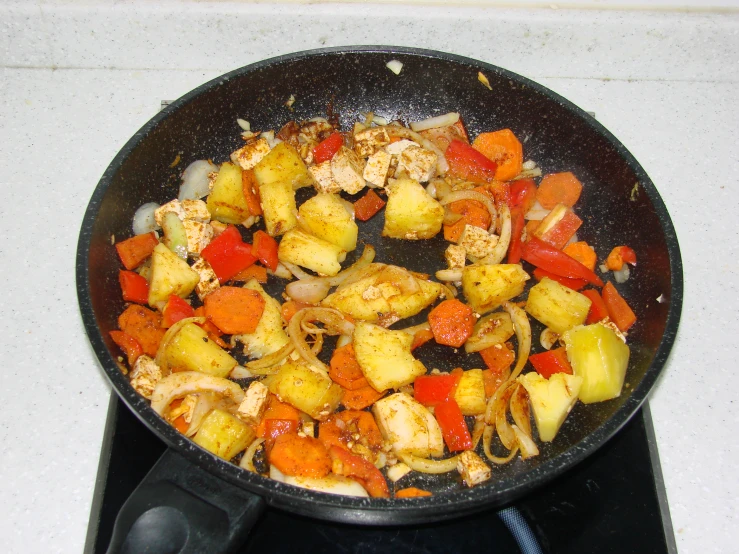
pixel 77 79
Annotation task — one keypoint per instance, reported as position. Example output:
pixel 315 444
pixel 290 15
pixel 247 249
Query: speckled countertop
pixel 77 79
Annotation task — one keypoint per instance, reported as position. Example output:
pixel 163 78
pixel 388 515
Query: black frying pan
pixel 196 498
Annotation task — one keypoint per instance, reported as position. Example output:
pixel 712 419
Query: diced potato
pixel 470 393
pixel 600 357
pixel 170 274
pixel 495 328
pixel 551 400
pixel 305 389
pixel 374 298
pixel 556 306
pixel 385 356
pixel 226 202
pixel 326 217
pixel 278 207
pixel 487 286
pixel 269 336
pixel 191 349
pixel 411 212
pixel 282 165
pixel 408 426
pixel 223 434
pixel 300 248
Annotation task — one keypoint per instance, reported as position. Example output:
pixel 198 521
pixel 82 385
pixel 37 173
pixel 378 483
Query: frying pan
pixel 195 499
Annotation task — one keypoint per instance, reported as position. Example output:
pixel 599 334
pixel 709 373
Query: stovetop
pixel 613 502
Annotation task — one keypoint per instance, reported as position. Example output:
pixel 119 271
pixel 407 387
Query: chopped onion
pixel 244 124
pixel 537 212
pixel 477 430
pixel 240 372
pixel 195 180
pixel 622 275
pixel 310 291
pixel 333 320
pixel 523 335
pixel 449 275
pixel 281 271
pixel 548 338
pixel 395 66
pixel 183 383
pixel 425 326
pixel 528 165
pixel 487 438
pixel 520 408
pixel 205 403
pixel 403 132
pixel 526 443
pixel 265 364
pixel 427 465
pixel 247 460
pixel 506 434
pixel 501 247
pixel 143 219
pixel 343 340
pixel 438 121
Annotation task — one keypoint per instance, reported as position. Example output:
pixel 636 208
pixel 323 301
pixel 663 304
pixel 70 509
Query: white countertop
pixel 77 79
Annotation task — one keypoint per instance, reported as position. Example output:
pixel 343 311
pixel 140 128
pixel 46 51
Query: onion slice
pixel 523 334
pixel 427 465
pixel 506 434
pixel 433 122
pixel 247 460
pixel 449 275
pixel 520 409
pixel 332 319
pixel 183 383
pixel 526 443
pixel 504 241
pixel 487 438
pixel 195 180
pixel 143 220
pixel 265 364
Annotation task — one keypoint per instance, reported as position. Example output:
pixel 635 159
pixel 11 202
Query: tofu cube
pixel 198 234
pixel 196 210
pixel 251 154
pixel 477 242
pixel 208 279
pixel 456 256
pixel 347 169
pixel 472 468
pixel 324 178
pixel 375 172
pixel 369 141
pixel 397 147
pixel 308 428
pixel 172 206
pixel 145 375
pixel 255 402
pixel 419 163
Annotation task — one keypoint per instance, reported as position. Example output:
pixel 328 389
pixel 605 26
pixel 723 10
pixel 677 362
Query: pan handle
pixel 180 508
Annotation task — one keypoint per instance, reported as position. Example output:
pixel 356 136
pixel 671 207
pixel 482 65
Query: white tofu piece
pixel 419 163
pixel 477 242
pixel 323 177
pixel 218 227
pixel 250 154
pixel 397 472
pixel 145 376
pixel 255 402
pixel 375 171
pixel 208 279
pixel 308 429
pixel 397 147
pixel 172 206
pixel 456 256
pixel 472 468
pixel 196 210
pixel 369 141
pixel 198 234
pixel 347 169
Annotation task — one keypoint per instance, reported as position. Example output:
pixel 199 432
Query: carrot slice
pixel 452 322
pixel 251 191
pixel 135 250
pixel 291 307
pixel 344 369
pixel 618 310
pixel 411 492
pixel 302 456
pixel 499 361
pixel 504 149
pixel 214 333
pixel 361 398
pixel 421 337
pixel 252 272
pixel 234 310
pixel 276 409
pixel 472 212
pixel 619 256
pixel 559 188
pixel 357 467
pixel 144 325
pixel 583 253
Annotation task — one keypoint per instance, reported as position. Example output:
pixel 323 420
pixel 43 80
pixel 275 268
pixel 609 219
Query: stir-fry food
pixel 321 386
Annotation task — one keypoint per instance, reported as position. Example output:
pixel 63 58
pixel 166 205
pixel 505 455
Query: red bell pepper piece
pixel 543 255
pixel 328 147
pixel 228 254
pixel 550 362
pixel 619 256
pixel 618 310
pixel 134 287
pixel 174 310
pixel 128 344
pixel 368 205
pixel 264 247
pixel 522 194
pixel 598 311
pixel 350 465
pixel 135 250
pixel 467 163
pixel 453 426
pixel 431 390
pixel 574 284
pixel 516 246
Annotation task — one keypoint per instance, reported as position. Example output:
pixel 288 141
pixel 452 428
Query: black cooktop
pixel 613 502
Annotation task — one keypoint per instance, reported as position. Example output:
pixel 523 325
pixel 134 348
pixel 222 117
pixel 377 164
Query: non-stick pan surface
pixel 619 205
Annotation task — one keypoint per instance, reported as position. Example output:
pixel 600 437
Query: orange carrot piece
pixel 254 271
pixel 583 253
pixel 504 149
pixel 291 307
pixel 128 344
pixel 356 467
pixel 443 136
pixel 559 188
pixel 144 325
pixel 618 310
pixel 214 333
pixel 251 191
pixel 452 322
pixel 472 212
pixel 276 409
pixel 368 205
pixel 497 191
pixel 421 337
pixel 359 421
pixel 411 492
pixel 179 423
pixel 302 456
pixel 498 361
pixel 619 256
pixel 135 250
pixel 234 310
pixel 359 399
pixel 344 369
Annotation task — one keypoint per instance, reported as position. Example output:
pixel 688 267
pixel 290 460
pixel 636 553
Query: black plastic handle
pixel 180 508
